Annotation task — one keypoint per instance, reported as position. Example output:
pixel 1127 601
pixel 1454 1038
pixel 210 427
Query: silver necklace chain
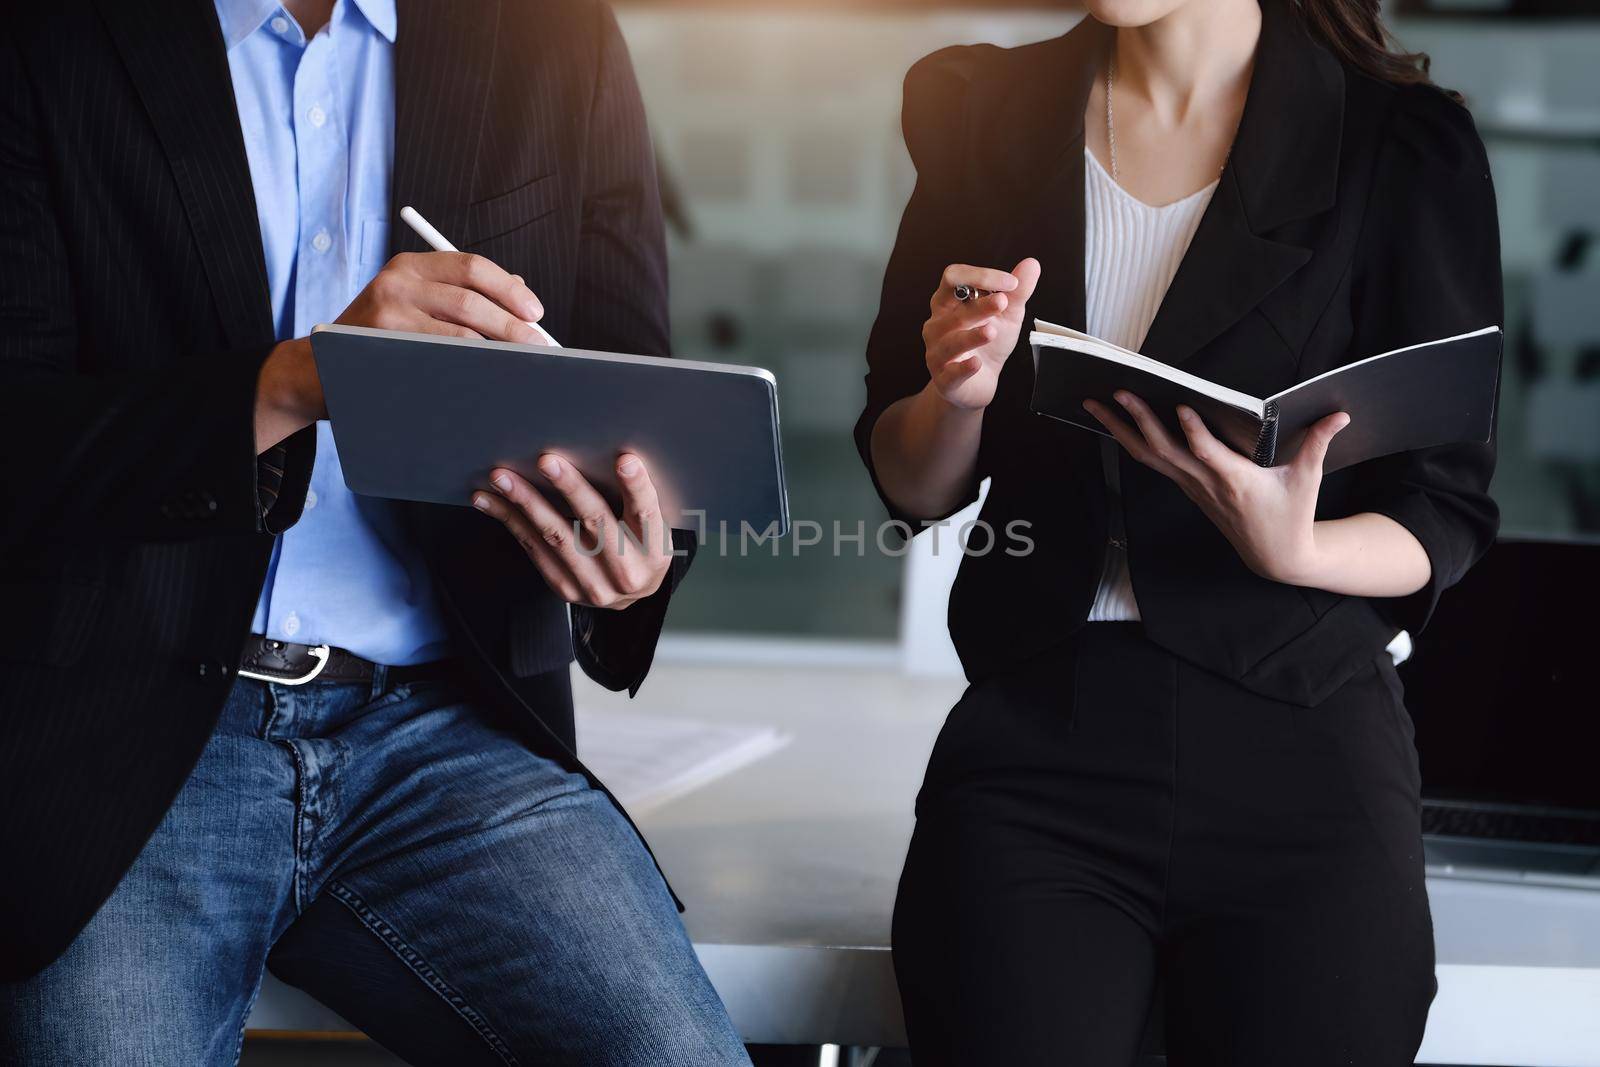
pixel 1111 124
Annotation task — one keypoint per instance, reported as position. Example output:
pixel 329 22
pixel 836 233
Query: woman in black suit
pixel 1212 787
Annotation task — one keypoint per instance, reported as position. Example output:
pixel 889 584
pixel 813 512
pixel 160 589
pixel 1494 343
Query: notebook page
pixel 1050 335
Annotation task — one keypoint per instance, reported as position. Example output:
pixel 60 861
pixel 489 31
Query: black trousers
pixel 1111 819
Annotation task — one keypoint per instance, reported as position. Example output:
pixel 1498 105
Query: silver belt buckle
pixel 319 653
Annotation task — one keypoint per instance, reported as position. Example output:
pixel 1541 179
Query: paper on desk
pixel 649 760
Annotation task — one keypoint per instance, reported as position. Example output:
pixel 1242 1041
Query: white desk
pixel 788 868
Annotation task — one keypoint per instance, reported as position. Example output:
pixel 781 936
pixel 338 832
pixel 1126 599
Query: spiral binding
pixel 1267 439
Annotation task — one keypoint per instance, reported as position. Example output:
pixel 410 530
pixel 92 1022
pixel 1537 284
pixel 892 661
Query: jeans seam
pixel 244 1019
pixel 269 721
pixel 297 890
pixel 419 966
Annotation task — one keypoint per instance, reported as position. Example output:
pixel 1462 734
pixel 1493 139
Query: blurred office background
pixel 777 125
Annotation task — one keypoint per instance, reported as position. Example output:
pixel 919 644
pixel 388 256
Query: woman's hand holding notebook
pixel 1459 375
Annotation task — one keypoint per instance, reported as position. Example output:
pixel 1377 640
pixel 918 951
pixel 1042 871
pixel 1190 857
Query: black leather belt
pixel 286 663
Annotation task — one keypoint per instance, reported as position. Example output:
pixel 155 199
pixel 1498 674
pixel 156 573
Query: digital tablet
pixel 424 417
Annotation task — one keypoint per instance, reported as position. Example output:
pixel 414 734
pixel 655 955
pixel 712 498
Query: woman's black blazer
pixel 1354 216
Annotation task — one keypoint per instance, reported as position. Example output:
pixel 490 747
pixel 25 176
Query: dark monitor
pixel 1504 685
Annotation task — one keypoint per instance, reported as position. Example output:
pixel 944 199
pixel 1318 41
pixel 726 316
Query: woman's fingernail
pixel 1121 397
pixel 502 482
pixel 1185 414
pixel 550 466
pixel 628 467
pixel 480 501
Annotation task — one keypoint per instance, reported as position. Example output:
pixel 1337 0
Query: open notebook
pixel 1434 393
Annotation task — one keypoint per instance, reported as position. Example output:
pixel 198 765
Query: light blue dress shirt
pixel 318 122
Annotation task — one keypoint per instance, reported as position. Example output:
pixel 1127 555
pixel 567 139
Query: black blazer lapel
pixel 178 65
pixel 1227 270
pixel 444 65
pixel 1056 238
pixel 1035 177
pixel 1284 166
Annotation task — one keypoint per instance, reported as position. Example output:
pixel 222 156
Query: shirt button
pixel 317 115
pixel 280 24
pixel 322 242
pixel 291 624
pixel 311 499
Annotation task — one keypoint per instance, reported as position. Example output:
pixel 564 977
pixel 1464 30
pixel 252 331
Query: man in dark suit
pixel 247 719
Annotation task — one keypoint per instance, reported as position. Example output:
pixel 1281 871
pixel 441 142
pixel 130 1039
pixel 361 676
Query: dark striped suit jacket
pixel 134 316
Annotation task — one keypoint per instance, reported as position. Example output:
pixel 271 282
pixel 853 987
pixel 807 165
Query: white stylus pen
pixel 439 243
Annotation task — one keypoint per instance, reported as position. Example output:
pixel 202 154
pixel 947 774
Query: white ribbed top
pixel 1131 250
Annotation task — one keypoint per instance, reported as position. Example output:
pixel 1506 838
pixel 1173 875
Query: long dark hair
pixel 1354 31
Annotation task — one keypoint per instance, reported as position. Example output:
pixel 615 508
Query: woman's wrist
pixel 940 407
pixel 1359 555
pixel 924 449
pixel 1312 565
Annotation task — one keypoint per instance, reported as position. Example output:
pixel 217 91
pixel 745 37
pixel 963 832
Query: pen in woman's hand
pixel 439 243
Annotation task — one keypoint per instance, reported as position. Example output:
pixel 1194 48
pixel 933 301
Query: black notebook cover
pixel 1435 393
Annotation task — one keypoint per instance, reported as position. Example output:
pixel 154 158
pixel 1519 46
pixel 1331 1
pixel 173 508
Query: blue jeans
pixel 406 861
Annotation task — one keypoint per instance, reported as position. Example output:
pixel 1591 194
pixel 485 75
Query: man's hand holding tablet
pixel 453 294
pixel 597 560
pixel 602 560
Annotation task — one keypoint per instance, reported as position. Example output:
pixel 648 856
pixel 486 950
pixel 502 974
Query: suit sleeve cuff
pixel 904 524
pixel 616 648
pixel 283 474
pixel 1421 518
